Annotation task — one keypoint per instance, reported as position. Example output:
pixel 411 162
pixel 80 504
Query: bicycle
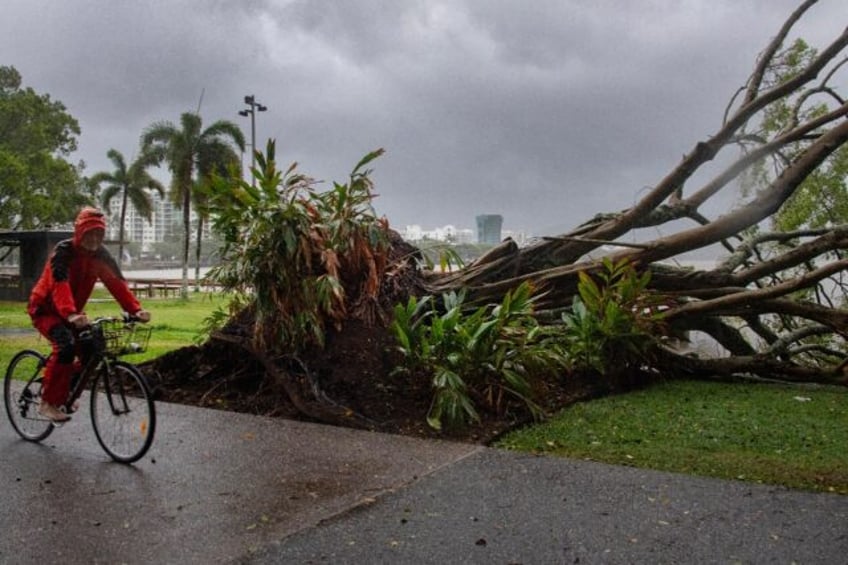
pixel 123 414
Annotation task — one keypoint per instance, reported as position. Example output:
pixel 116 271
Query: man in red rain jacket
pixel 57 302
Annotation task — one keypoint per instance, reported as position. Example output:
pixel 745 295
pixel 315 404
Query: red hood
pixel 88 219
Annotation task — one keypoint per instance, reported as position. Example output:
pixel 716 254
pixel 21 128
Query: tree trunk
pixel 186 241
pixel 121 230
pixel 197 253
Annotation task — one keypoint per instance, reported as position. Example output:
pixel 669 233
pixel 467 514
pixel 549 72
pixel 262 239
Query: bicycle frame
pixel 99 361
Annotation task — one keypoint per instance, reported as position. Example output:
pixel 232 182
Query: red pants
pixel 60 366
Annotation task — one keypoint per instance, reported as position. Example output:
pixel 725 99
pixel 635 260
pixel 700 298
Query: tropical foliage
pixel 477 358
pixel 480 357
pixel 300 259
pixel 614 320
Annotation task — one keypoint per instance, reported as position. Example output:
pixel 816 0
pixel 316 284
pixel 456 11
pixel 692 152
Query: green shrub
pixel 614 320
pixel 299 259
pixel 476 358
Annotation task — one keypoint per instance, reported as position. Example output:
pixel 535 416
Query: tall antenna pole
pixel 200 101
pixel 253 107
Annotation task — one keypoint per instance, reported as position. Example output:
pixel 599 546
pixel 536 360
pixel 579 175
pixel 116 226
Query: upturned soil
pixel 353 371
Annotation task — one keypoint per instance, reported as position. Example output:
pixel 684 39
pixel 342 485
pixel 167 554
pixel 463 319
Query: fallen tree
pixel 305 267
pixel 775 302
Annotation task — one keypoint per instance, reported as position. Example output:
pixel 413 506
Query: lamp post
pixel 253 107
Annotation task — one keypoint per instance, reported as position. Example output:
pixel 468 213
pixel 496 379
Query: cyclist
pixel 58 299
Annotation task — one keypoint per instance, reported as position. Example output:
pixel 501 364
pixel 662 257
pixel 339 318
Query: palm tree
pixel 220 160
pixel 132 184
pixel 185 149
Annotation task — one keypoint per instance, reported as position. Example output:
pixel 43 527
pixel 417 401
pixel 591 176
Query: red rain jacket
pixel 69 277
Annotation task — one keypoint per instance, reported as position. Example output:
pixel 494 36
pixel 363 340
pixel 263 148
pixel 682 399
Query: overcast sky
pixel 543 111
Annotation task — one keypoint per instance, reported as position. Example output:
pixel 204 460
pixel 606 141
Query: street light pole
pixel 253 107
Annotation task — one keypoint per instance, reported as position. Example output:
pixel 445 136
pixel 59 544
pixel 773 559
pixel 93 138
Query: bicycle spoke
pixel 122 412
pixel 22 395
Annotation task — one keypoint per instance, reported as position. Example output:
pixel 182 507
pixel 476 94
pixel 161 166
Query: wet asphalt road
pixel 215 487
pixel 219 487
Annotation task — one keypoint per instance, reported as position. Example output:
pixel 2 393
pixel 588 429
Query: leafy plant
pixel 446 255
pixel 476 358
pixel 39 184
pixel 613 319
pixel 301 259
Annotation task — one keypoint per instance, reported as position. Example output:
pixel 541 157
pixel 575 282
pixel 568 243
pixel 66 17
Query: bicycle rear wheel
pixel 22 395
pixel 122 412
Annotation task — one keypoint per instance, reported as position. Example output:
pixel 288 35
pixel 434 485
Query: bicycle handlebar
pixel 125 318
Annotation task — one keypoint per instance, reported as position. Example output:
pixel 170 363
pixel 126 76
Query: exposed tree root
pixel 302 390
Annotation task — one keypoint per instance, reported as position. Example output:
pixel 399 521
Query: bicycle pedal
pixel 56 423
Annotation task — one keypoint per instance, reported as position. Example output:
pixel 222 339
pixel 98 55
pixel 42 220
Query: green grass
pixel 788 435
pixel 176 323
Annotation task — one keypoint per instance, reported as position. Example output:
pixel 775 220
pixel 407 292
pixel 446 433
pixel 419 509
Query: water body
pixel 158 274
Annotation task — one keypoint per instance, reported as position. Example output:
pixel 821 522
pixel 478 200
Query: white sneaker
pixel 52 413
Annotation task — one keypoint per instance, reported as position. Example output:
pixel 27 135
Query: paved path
pixel 219 487
pixel 215 487
pixel 503 508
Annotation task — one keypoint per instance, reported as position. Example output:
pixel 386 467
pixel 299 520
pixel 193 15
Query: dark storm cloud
pixel 544 111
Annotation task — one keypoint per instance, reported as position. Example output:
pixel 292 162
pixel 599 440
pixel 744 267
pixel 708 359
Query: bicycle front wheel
pixel 22 395
pixel 122 412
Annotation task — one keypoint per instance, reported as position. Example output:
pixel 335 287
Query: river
pixel 158 274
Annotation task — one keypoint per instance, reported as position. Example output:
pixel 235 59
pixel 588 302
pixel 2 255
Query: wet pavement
pixel 220 487
pixel 506 508
pixel 214 487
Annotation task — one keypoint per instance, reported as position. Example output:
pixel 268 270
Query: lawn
pixel 789 435
pixel 176 323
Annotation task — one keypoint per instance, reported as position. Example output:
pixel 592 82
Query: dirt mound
pixel 354 370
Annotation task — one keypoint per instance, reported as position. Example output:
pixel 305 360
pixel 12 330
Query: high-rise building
pixel 166 221
pixel 489 228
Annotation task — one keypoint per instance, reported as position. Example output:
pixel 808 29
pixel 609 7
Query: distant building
pixel 166 221
pixel 464 235
pixel 518 236
pixel 448 234
pixel 413 233
pixel 489 228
